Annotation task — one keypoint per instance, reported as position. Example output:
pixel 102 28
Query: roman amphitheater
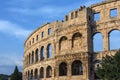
pixel 64 50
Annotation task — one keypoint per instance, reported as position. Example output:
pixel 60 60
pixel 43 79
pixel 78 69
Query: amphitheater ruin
pixel 64 50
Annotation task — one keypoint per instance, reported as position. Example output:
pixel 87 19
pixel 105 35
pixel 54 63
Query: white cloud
pixel 10 61
pixel 8 27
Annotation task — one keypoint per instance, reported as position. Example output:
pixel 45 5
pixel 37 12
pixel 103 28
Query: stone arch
pixel 36 74
pixel 49 72
pixel 32 57
pixel 76 40
pixel 41 72
pixel 49 51
pixel 97 42
pixel 114 39
pixel 63 43
pixel 77 68
pixel 63 69
pixel 36 55
pixel 42 53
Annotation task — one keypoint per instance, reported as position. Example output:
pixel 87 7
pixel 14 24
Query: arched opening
pixel 41 72
pixel 97 42
pixel 77 68
pixel 31 75
pixel 49 51
pixel 36 74
pixel 28 75
pixel 63 43
pixel 76 40
pixel 63 69
pixel 114 39
pixel 36 55
pixel 32 56
pixel 42 53
pixel 29 58
pixel 96 65
pixel 49 72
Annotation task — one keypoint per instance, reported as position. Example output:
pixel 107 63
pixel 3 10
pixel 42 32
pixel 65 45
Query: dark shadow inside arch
pixel 32 56
pixel 36 74
pixel 97 42
pixel 114 39
pixel 63 69
pixel 31 75
pixel 49 72
pixel 36 55
pixel 29 58
pixel 77 68
pixel 41 72
pixel 42 53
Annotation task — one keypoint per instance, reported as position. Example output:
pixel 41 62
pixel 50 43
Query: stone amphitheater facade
pixel 63 50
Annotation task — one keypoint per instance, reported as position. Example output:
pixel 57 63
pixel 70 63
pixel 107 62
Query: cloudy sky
pixel 18 18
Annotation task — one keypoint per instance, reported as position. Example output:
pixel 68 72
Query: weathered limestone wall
pixel 71 39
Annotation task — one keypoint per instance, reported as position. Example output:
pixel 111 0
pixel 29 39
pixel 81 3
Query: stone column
pixel 44 72
pixel 52 72
pixel 106 41
pixel 38 74
pixel 33 75
pixel 34 58
pixel 69 70
pixel 53 49
pixel 57 72
pixel 45 52
pixel 38 55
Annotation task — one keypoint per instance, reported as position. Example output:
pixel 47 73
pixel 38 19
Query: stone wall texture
pixel 63 50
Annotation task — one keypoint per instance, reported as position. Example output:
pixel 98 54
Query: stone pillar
pixel 57 72
pixel 69 70
pixel 30 58
pixel 38 74
pixel 69 42
pixel 53 49
pixel 44 72
pixel 52 72
pixel 106 41
pixel 38 55
pixel 34 58
pixel 33 75
pixel 45 52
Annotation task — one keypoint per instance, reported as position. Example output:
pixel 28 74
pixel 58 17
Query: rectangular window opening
pixel 76 14
pixel 37 38
pixel 42 34
pixel 96 16
pixel 66 18
pixel 72 15
pixel 33 40
pixel 49 31
pixel 113 12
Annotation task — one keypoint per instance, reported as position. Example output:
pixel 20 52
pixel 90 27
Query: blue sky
pixel 18 18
